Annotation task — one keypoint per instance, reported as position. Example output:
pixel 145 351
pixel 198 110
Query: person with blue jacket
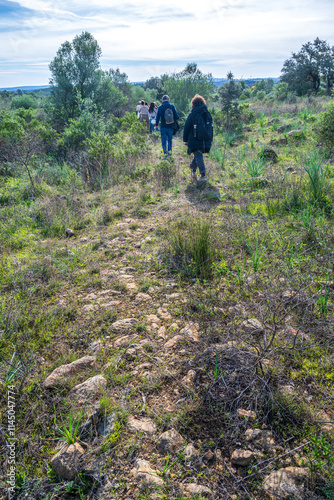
pixel 166 129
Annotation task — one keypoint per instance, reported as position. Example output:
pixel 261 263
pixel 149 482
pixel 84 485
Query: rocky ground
pixel 174 398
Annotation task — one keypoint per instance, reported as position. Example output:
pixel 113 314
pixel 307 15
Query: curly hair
pixel 197 100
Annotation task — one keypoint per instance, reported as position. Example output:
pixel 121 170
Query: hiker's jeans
pixel 198 161
pixel 166 137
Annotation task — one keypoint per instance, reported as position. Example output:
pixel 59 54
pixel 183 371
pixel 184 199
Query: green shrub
pixel 23 101
pixel 164 172
pixel 325 127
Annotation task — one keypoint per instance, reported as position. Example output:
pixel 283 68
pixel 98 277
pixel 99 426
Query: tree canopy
pixel 307 69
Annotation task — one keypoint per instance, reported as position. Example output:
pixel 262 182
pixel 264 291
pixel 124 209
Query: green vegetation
pixel 227 286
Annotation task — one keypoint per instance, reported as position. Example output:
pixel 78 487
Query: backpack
pixel 169 116
pixel 203 127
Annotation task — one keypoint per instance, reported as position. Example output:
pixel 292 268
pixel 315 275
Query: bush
pixel 325 128
pixel 164 172
pixel 23 101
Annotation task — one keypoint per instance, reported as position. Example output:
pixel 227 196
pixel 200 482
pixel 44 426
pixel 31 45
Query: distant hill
pixel 26 88
pixel 217 82
pixel 248 81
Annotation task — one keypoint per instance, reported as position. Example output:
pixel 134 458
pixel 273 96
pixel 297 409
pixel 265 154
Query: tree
pixel 182 86
pixel 74 70
pixel 229 93
pixel 305 69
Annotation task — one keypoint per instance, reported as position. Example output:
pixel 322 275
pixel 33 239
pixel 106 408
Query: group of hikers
pixel 197 132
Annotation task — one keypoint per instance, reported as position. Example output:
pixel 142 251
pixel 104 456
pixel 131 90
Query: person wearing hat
pixel 166 127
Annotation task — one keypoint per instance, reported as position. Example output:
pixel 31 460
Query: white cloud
pixel 239 35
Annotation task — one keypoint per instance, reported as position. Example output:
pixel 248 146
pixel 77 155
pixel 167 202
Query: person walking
pixel 138 109
pixel 168 115
pixel 152 114
pixel 143 115
pixel 198 134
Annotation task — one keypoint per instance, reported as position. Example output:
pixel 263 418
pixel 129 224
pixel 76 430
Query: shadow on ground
pixel 204 195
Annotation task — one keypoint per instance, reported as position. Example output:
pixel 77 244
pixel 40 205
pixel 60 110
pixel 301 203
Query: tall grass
pixel 192 245
pixel 317 176
pixel 255 167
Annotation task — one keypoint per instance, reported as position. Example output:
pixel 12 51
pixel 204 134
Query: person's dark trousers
pixel 166 139
pixel 198 161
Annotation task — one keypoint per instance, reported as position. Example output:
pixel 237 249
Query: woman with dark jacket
pixel 198 134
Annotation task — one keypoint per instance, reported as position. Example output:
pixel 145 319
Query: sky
pixel 251 38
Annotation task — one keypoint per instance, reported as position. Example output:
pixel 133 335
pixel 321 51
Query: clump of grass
pixel 255 167
pixel 317 176
pixel 69 432
pixel 192 243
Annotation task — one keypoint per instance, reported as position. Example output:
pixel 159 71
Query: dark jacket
pixel 161 115
pixel 195 144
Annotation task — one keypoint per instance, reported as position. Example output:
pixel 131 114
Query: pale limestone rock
pixel 145 474
pixel 124 324
pixel 261 439
pixel 252 325
pixel 62 373
pixel 132 287
pixel 162 332
pixel 246 413
pixel 143 297
pixel 190 451
pixel 96 347
pixel 286 483
pixel 242 457
pixel 170 441
pixel 89 308
pixel 189 379
pixel 164 314
pixel 191 489
pixel 144 424
pixel 66 463
pixel 173 341
pixel 152 318
pixel 125 341
pixel 110 305
pixel 88 389
pixel 191 329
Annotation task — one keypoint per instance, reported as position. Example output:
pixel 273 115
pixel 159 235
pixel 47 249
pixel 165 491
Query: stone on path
pixel 123 324
pixel 246 413
pixel 261 439
pixel 190 451
pixel 242 457
pixel 143 297
pixel 173 341
pixel 125 341
pixel 170 441
pixel 144 424
pixel 191 489
pixel 286 483
pixel 66 463
pixel 164 314
pixel 144 473
pixel 61 373
pixel 191 329
pixel 88 389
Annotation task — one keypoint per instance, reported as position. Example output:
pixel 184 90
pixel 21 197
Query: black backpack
pixel 169 116
pixel 203 126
